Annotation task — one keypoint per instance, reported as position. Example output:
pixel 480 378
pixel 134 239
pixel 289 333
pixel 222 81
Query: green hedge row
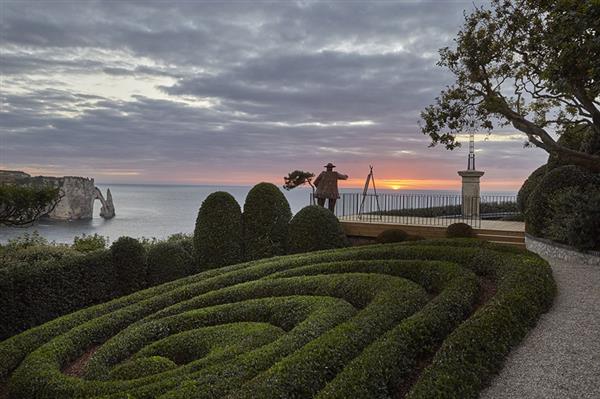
pixel 341 323
pixel 35 288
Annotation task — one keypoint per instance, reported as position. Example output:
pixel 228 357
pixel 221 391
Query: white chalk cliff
pixel 78 195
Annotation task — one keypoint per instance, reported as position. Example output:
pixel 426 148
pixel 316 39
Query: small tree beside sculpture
pixel 326 184
pixel 299 178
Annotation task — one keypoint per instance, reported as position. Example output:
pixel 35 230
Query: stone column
pixel 470 192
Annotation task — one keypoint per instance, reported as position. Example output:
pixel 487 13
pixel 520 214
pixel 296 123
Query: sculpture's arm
pixel 318 179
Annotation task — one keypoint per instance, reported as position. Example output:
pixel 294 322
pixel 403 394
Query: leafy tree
pixel 23 205
pixel 529 63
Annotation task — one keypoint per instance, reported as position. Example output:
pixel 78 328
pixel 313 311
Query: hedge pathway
pixel 358 322
pixel 560 358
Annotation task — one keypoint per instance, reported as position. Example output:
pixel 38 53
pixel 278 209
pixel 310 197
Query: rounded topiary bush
pixel 266 217
pixel 218 232
pixel 129 262
pixel 168 261
pixel 528 186
pixel 459 230
pixel 142 367
pixel 538 213
pixel 576 217
pixel 392 235
pixel 315 228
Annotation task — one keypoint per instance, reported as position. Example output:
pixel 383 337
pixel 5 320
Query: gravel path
pixel 560 358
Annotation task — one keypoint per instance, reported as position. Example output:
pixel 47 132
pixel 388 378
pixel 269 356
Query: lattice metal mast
pixel 471 161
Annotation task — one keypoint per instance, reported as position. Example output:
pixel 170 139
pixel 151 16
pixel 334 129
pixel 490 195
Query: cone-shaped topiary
pixel 168 261
pixel 218 232
pixel 459 230
pixel 129 262
pixel 315 228
pixel 266 217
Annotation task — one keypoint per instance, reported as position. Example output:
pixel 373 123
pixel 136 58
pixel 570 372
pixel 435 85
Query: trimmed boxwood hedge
pixel 576 217
pixel 266 217
pixel 314 228
pixel 41 282
pixel 342 323
pixel 459 230
pixel 33 293
pixel 129 264
pixel 168 261
pixel 392 235
pixel 218 232
pixel 538 213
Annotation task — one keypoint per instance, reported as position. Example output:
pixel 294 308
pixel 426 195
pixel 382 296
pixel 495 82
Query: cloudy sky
pixel 234 92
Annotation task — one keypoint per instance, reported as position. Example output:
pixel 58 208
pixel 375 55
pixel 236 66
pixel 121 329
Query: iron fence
pixel 423 209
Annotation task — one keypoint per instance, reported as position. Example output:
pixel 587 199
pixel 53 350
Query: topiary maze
pixel 397 320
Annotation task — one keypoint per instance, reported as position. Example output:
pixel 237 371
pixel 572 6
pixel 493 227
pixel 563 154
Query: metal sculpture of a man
pixel 327 186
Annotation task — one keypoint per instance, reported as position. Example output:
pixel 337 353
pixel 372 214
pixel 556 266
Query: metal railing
pixel 423 209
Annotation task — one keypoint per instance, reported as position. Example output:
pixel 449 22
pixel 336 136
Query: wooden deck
pixel 498 231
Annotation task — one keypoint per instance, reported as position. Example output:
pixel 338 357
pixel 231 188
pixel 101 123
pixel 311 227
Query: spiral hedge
pixel 366 322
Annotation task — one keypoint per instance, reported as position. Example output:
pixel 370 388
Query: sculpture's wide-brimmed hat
pixel 329 165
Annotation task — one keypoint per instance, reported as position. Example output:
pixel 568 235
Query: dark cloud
pixel 228 86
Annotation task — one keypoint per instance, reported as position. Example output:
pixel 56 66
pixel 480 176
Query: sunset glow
pixel 250 106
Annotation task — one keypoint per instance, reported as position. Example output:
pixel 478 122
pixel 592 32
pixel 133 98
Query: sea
pixel 158 211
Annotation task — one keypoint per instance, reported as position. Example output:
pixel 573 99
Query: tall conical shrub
pixel 266 217
pixel 129 263
pixel 218 232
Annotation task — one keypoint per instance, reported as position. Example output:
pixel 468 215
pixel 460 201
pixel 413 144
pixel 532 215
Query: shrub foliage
pixel 218 232
pixel 39 281
pixel 576 217
pixel 89 243
pixel 129 263
pixel 528 186
pixel 168 261
pixel 459 230
pixel 33 293
pixel 266 217
pixel 314 228
pixel 345 323
pixel 538 213
pixel 392 235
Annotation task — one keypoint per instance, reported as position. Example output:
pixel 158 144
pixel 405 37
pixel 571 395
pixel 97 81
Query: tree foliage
pixel 298 178
pixel 529 63
pixel 23 205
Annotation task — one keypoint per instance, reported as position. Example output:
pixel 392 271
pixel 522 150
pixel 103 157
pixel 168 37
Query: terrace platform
pixel 497 231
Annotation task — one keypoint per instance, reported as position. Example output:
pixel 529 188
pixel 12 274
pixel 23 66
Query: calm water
pixel 152 211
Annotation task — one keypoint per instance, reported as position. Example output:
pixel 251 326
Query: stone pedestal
pixel 470 192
